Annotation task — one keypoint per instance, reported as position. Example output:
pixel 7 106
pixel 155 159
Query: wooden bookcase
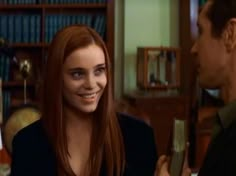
pixel 45 17
pixel 159 108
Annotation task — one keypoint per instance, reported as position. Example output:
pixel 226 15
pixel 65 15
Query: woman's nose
pixel 90 82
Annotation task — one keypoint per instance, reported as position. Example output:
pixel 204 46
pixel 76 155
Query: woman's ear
pixel 229 35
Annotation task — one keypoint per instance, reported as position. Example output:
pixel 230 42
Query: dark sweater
pixel 33 155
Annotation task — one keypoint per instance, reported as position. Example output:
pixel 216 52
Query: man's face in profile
pixel 210 52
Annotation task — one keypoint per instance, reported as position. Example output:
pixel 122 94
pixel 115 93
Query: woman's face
pixel 84 78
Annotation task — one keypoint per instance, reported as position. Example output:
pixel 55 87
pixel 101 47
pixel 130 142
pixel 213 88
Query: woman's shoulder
pixel 32 153
pixel 131 124
pixel 139 143
pixel 31 130
pixel 31 135
pixel 137 135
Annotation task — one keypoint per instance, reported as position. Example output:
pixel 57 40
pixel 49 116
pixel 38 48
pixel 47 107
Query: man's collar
pixel 227 114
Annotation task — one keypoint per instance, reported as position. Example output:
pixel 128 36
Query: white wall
pixel 141 23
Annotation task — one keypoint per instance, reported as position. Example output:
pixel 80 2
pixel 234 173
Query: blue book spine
pixel 18 28
pixel 68 20
pixel 25 25
pixel 7 65
pixel 4 26
pixel 47 28
pixel 6 105
pixel 54 28
pixel 79 19
pixel 1 26
pixel 59 22
pixel 1 67
pixel 96 23
pixel 32 36
pixel 103 27
pixel 73 19
pixel 51 30
pixel 37 28
pixel 11 37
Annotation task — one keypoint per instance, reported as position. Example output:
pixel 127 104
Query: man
pixel 215 51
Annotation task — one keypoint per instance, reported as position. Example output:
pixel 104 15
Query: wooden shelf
pixel 51 6
pixel 15 103
pixel 21 6
pixel 73 6
pixel 28 45
pixel 18 84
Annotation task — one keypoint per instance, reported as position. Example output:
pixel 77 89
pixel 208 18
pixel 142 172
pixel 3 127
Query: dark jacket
pixel 33 156
pixel 220 159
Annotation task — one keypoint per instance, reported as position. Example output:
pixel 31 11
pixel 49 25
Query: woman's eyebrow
pixel 100 65
pixel 77 69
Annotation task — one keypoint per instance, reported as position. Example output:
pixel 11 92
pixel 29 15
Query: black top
pixel 220 158
pixel 32 153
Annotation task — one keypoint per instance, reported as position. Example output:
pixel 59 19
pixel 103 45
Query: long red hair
pixel 106 142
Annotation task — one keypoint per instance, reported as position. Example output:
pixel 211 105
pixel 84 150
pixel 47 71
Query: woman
pixel 79 133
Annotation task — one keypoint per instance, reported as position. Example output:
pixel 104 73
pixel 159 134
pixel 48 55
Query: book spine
pixel 1 110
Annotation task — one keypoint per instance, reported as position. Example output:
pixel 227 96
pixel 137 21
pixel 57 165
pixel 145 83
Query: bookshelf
pixel 28 27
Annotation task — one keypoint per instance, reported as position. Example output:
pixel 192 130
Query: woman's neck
pixel 79 131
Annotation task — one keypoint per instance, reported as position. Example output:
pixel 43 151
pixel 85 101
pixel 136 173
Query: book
pixel 1 145
pixel 178 147
pixel 1 105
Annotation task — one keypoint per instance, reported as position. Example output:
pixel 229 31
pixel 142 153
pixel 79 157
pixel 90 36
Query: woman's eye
pixel 77 75
pixel 100 71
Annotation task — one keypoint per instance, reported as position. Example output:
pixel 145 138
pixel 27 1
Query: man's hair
pixel 219 13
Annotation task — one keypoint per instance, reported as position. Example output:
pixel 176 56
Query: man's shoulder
pixel 231 131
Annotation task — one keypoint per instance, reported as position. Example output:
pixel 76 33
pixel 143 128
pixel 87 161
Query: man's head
pixel 219 13
pixel 216 44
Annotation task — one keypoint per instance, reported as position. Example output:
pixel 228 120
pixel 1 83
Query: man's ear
pixel 229 35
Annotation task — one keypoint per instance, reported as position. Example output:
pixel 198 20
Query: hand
pixel 163 165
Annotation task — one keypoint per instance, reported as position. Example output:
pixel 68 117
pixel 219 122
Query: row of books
pixel 56 22
pixel 74 1
pixel 13 2
pixel 26 28
pixel 5 100
pixel 4 67
pixel 20 28
pixel 6 104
